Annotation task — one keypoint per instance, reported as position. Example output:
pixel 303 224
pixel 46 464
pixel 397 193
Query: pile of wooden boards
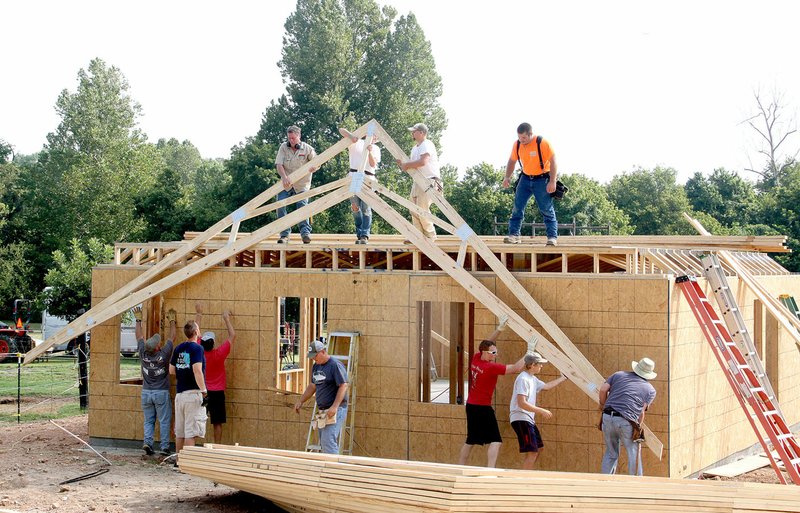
pixel 299 481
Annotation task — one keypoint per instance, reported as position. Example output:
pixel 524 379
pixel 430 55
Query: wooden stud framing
pixel 87 320
pixel 563 362
pixel 775 308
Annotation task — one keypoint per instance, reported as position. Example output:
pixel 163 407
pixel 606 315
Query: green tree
pixel 94 166
pixel 182 157
pixel 251 168
pixel 344 62
pixel 164 210
pixel 780 211
pixel 480 198
pixel 725 196
pixel 653 201
pixel 8 175
pixel 588 204
pixel 71 277
pixel 209 202
pixel 16 274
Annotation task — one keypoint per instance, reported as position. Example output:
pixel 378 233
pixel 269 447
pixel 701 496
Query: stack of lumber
pixel 299 481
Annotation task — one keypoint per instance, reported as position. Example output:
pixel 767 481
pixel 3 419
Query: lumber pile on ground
pixel 299 481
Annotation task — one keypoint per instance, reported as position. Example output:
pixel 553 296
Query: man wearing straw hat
pixel 624 398
pixel 155 382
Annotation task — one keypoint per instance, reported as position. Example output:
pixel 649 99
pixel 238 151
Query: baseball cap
pixel 315 347
pixel 419 126
pixel 151 343
pixel 537 358
pixel 209 335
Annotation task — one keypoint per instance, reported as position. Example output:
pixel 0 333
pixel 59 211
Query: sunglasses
pixel 492 352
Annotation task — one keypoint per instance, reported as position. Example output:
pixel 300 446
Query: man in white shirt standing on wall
pixel 362 212
pixel 424 158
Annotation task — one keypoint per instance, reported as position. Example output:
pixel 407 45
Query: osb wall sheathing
pixel 707 423
pixel 612 319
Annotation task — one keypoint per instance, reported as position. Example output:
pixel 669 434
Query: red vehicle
pixel 15 340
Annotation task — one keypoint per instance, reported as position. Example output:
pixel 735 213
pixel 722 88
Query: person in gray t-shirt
pixel 329 384
pixel 624 398
pixel 156 402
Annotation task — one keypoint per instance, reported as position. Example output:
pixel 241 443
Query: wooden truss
pixel 561 351
pixel 773 304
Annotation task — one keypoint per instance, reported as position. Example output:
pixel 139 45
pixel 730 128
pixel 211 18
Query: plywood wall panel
pixel 613 320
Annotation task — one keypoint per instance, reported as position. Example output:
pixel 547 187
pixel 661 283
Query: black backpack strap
pixel 538 150
pixel 518 159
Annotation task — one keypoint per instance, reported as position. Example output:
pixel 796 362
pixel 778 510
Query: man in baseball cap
pixel 523 407
pixel 422 127
pixel 216 378
pixel 154 361
pixel 329 384
pixel 425 160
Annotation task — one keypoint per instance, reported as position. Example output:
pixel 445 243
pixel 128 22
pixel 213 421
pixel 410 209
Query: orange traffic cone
pixel 19 323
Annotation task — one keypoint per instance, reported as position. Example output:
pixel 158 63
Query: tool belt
pixel 437 184
pixel 637 432
pixel 321 420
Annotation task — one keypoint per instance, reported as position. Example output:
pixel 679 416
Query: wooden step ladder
pixel 344 347
pixel 749 386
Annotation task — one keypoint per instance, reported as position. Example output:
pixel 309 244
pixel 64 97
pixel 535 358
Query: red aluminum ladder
pixel 750 388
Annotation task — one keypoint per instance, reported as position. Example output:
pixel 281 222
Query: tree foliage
pixel 209 201
pixel 71 277
pixel 725 196
pixel 480 198
pixel 588 204
pixel 94 166
pixel 653 201
pixel 344 62
pixel 163 209
pixel 781 213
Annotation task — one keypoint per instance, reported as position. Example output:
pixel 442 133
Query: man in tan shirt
pixel 292 155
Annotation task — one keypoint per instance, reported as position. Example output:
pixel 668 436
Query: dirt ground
pixel 35 457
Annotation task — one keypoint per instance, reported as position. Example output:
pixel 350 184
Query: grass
pixel 65 410
pixel 48 388
pixel 55 377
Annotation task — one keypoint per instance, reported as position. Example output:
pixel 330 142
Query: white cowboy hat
pixel 644 368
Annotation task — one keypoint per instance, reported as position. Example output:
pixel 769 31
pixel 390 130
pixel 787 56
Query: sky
pixel 612 85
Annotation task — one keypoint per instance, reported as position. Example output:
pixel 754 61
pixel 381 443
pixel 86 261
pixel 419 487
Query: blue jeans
pixel 526 188
pixel 156 403
pixel 305 226
pixel 329 435
pixel 362 218
pixel 615 430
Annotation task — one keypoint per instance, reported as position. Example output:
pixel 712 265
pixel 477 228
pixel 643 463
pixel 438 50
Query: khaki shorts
pixel 190 416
